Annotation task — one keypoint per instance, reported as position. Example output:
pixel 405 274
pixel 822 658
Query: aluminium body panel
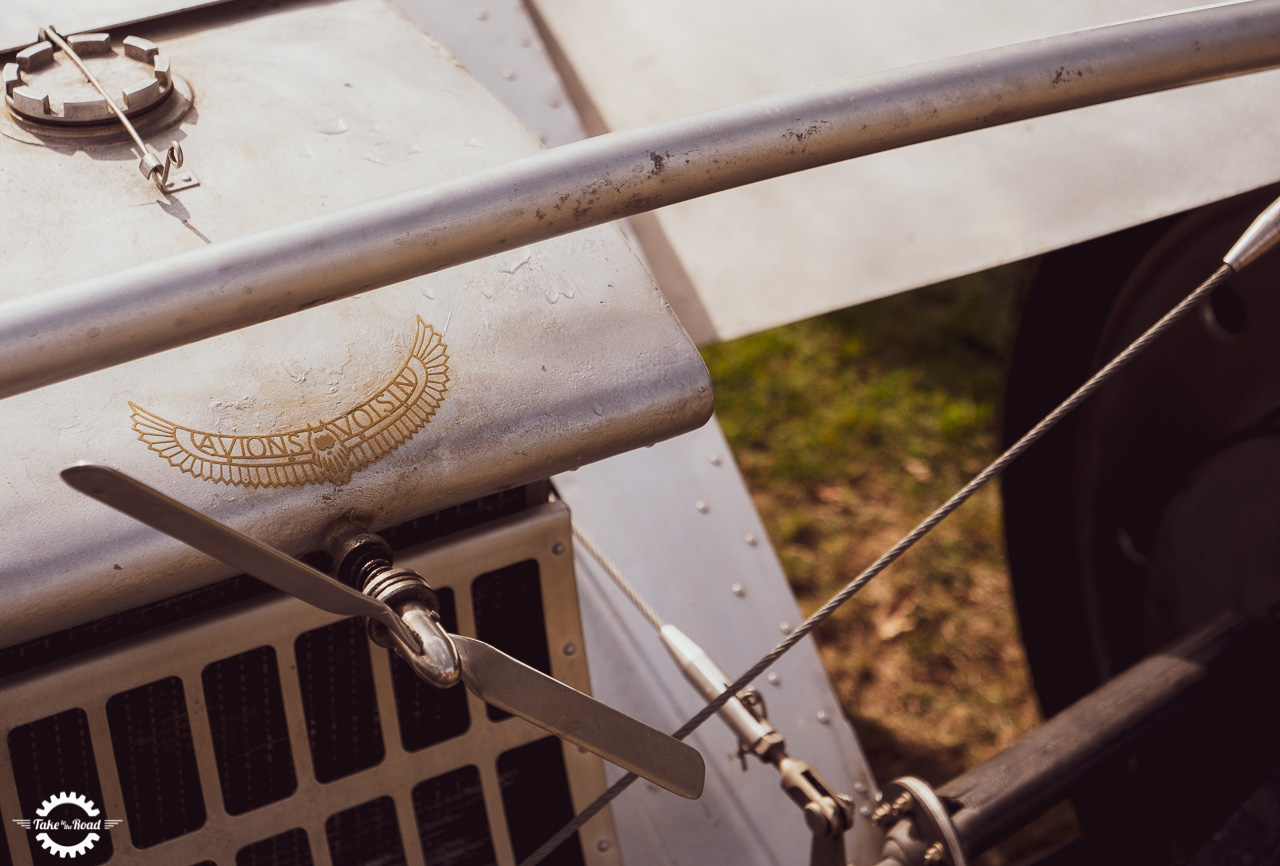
pixel 791 248
pixel 541 359
pixel 678 522
pixel 23 19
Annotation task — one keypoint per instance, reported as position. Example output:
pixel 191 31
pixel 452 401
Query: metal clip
pixel 150 167
pixel 755 702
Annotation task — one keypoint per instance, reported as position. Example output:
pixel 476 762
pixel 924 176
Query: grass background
pixel 850 429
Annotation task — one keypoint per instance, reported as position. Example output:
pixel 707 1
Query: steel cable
pixel 646 609
pixel 889 557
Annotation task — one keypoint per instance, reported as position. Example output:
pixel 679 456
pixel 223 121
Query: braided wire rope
pixel 646 609
pixel 1221 275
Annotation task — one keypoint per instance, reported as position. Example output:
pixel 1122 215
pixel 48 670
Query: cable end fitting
pixel 1260 237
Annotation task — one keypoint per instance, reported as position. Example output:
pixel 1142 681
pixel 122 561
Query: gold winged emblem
pixel 325 451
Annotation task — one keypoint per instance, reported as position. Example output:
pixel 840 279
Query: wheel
pixel 1157 504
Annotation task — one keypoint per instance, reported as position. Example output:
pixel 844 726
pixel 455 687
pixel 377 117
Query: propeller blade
pixel 498 679
pixel 493 676
pixel 148 505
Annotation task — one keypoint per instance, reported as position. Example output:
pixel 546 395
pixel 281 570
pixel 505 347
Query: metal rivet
pixel 750 539
pixel 738 589
pixel 570 648
pixel 602 845
pixel 481 15
pixel 702 506
pixel 859 787
pixel 784 627
pixel 558 548
pixel 824 717
pixel 713 458
pixel 774 679
pixel 509 74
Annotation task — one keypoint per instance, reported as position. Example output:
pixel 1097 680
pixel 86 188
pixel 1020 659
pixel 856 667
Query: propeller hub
pixel 435 658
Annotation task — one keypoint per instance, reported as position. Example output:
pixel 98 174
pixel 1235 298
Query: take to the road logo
pixel 67 824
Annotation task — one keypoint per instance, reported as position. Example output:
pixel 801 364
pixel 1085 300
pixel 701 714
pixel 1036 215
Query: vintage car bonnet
pixel 387 405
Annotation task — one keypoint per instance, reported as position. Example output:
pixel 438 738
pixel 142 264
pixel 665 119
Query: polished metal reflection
pixel 142 310
pixel 510 685
pixel 1261 237
pixel 438 661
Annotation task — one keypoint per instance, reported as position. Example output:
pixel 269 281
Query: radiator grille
pixel 325 748
pixel 343 728
pixel 290 848
pixel 535 793
pixel 248 730
pixel 365 835
pixel 508 606
pixel 438 524
pixel 109 629
pixel 151 740
pixel 452 824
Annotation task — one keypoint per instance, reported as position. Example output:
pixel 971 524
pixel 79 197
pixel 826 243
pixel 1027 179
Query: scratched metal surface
pixel 798 246
pixel 558 354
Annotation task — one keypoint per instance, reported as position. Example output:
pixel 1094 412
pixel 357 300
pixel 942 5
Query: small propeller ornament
pixel 403 613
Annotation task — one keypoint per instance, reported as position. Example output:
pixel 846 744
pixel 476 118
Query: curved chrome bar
pixel 146 309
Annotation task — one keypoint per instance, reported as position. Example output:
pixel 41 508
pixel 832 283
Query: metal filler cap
pixel 46 87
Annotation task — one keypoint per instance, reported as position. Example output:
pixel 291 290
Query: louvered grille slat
pixel 508 610
pixel 338 698
pixel 452 824
pixel 365 835
pixel 535 794
pixel 102 632
pixel 290 848
pixel 151 739
pixel 250 737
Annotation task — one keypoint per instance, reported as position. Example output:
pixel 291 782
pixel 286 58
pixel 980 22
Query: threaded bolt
pixel 902 805
pixel 883 816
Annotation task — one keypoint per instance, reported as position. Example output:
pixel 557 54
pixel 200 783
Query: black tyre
pixel 1157 505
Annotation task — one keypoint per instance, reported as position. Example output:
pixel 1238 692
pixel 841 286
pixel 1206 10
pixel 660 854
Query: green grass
pixel 851 428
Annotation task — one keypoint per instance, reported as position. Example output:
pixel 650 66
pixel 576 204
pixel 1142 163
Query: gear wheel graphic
pixel 67 850
pixel 68 799
pixel 65 799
